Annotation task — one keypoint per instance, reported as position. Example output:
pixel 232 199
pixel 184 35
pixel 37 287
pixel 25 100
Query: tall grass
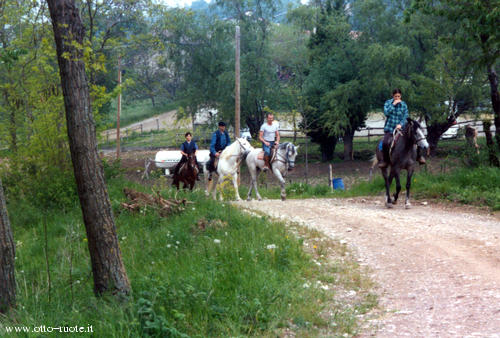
pixel 241 275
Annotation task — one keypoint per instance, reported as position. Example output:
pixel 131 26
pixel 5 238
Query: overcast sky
pixel 184 3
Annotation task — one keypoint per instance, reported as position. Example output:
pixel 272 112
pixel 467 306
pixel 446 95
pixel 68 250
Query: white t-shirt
pixel 269 131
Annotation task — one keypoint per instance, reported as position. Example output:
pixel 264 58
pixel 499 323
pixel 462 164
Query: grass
pixel 478 186
pixel 224 281
pixel 139 110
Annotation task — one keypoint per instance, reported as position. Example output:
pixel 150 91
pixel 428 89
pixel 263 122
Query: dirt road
pixel 438 267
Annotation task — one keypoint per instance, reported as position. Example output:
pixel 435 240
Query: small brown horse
pixel 403 156
pixel 187 174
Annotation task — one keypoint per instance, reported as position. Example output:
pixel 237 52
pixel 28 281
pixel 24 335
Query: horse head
pixel 290 153
pixel 416 133
pixel 245 146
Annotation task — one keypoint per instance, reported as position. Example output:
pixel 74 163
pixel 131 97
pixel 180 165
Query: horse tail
pixel 374 162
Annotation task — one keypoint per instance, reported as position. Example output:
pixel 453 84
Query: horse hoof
pixel 260 199
pixel 394 202
pixel 249 199
pixel 408 206
pixel 388 205
pixel 283 198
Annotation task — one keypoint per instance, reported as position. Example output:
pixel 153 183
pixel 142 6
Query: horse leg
pixel 408 185
pixel 255 183
pixel 252 178
pixel 398 188
pixel 388 181
pixel 235 184
pixel 277 173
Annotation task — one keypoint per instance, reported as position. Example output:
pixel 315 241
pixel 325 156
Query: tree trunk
pixel 492 153
pixel 348 146
pixel 107 265
pixel 434 132
pixel 495 101
pixel 327 148
pixel 7 255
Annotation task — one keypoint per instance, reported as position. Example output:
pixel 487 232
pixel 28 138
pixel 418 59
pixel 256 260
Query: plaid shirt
pixel 395 115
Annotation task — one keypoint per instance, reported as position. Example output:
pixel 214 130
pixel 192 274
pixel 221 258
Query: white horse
pixel 229 162
pixel 282 163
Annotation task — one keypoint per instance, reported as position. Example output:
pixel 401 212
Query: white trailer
pixel 167 159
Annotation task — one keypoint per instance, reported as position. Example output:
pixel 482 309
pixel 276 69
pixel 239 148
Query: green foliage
pixel 239 275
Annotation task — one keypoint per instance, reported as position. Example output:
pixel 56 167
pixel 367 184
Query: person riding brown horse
pixel 187 173
pixel 188 151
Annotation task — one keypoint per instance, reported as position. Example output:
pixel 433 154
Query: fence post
pixel 368 128
pixel 330 182
pixel 107 136
pixel 157 124
pixel 141 128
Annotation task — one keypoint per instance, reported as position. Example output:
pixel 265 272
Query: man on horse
pixel 220 140
pixel 187 148
pixel 396 112
pixel 269 135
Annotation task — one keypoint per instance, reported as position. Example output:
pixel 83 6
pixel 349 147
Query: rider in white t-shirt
pixel 269 135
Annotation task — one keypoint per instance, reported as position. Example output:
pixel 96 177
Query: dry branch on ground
pixel 138 200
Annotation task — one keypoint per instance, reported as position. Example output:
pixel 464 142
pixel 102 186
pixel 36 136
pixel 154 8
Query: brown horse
pixel 187 174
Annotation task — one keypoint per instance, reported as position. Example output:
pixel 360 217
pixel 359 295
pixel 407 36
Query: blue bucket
pixel 338 183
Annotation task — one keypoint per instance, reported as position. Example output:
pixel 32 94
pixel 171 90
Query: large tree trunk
pixel 435 131
pixel 348 146
pixel 107 265
pixel 7 255
pixel 327 148
pixel 495 101
pixel 492 154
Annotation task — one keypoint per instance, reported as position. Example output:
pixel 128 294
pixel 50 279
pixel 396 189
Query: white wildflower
pixel 217 241
pixel 271 246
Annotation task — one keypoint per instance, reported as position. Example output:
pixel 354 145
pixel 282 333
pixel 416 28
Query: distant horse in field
pixel 187 173
pixel 402 156
pixel 281 164
pixel 228 165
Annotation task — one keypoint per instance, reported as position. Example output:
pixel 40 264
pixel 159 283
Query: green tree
pixel 479 20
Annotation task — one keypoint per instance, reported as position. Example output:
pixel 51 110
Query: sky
pixel 184 3
pixel 178 3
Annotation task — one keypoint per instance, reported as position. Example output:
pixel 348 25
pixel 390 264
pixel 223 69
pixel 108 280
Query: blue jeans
pixel 267 149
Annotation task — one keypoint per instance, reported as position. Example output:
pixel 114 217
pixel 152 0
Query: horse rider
pixel 187 148
pixel 220 140
pixel 396 112
pixel 269 135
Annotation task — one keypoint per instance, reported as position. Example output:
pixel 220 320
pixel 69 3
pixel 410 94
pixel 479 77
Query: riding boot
pixel 385 157
pixel 267 158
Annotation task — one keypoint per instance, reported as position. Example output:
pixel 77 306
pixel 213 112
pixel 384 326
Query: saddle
pixel 260 156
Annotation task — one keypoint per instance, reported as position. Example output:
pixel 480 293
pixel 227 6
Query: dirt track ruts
pixel 438 268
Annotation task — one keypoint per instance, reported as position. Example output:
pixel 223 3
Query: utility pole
pixel 119 108
pixel 237 85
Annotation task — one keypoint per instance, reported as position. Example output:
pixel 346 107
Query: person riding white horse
pixel 282 163
pixel 229 162
pixel 269 135
pixel 220 140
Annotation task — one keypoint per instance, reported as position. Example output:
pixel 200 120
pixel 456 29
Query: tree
pixel 479 19
pixel 107 265
pixel 338 83
pixel 7 255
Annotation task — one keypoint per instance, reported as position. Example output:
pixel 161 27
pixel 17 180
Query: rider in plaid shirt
pixel 396 112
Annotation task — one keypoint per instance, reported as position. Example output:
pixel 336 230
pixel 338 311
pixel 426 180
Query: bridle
pixel 284 159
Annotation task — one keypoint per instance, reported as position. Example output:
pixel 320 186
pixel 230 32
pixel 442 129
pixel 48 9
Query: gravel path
pixel 438 267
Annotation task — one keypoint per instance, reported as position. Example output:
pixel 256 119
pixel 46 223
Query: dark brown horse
pixel 403 156
pixel 187 174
